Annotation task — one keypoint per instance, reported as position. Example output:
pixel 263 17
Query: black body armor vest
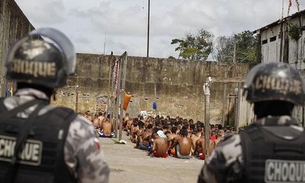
pixel 42 157
pixel 269 157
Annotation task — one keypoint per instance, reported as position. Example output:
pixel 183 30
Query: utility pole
pixel 148 28
pixel 282 33
pixel 224 102
pixel 234 54
pixel 76 93
pixel 105 44
pixel 206 90
pixel 238 93
pixel 123 65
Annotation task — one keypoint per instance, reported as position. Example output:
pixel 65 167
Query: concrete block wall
pixel 178 85
pixel 13 25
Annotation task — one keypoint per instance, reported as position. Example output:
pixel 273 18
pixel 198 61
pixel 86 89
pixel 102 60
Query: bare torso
pixel 96 122
pixel 101 118
pixel 160 145
pixel 133 130
pixel 185 145
pixel 107 128
pixel 200 145
pixel 171 138
pixel 194 140
pixel 146 137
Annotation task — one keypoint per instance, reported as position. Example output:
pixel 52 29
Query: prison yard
pixel 132 151
pixel 132 165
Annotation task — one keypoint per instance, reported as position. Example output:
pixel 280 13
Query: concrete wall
pixel 178 85
pixel 13 25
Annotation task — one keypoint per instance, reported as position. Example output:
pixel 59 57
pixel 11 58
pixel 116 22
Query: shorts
pixel 200 154
pixel 101 134
pixel 182 156
pixel 160 156
pixel 143 147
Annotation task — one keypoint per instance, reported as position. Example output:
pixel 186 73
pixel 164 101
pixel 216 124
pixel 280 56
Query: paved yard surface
pixel 129 165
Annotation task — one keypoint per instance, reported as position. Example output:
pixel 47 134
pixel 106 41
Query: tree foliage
pixel 246 48
pixel 199 46
pixel 224 49
pixel 195 47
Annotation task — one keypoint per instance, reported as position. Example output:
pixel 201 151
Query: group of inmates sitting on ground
pixel 104 127
pixel 176 137
pixel 163 137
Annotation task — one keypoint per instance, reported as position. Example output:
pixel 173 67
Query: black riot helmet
pixel 274 82
pixel 45 57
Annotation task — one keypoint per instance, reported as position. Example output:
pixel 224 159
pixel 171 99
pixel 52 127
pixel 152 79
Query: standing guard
pixel 272 149
pixel 39 142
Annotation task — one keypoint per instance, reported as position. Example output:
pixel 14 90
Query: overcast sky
pixel 121 25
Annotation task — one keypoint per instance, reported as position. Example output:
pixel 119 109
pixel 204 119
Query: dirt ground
pixel 130 165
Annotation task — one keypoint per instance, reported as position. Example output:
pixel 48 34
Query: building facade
pixel 284 41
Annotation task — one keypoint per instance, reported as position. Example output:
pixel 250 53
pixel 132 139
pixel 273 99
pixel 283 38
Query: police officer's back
pixel 272 149
pixel 38 142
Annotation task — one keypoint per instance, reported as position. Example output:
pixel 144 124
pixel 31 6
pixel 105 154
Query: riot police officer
pixel 272 149
pixel 39 142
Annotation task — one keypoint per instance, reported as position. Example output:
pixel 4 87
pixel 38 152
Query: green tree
pixel 224 49
pixel 246 48
pixel 195 47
